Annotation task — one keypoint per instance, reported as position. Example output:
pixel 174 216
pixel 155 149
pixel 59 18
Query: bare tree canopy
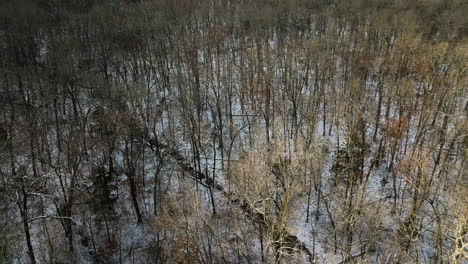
pixel 254 131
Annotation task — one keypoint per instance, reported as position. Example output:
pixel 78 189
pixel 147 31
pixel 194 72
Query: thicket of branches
pixel 297 131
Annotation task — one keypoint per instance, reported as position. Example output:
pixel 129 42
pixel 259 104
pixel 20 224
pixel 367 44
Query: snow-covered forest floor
pixel 253 132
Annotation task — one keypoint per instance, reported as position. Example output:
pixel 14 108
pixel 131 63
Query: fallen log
pixel 289 241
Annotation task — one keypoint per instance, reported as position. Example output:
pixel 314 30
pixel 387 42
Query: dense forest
pixel 221 131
